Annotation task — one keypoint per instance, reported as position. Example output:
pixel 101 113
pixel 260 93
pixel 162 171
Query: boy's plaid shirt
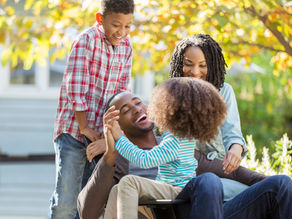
pixel 95 71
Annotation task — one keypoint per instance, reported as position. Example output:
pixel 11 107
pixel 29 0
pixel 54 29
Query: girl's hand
pixel 116 130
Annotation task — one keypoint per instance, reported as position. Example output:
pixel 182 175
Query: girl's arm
pixel 165 152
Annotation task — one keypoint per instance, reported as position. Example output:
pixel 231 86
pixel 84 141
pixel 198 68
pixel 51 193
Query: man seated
pixel 112 167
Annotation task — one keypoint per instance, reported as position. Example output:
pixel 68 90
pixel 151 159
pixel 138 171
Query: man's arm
pixel 242 174
pixel 93 197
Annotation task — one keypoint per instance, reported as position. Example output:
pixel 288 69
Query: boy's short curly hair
pixel 187 107
pixel 117 6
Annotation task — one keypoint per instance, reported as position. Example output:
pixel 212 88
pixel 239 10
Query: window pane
pixel 56 72
pixel 20 76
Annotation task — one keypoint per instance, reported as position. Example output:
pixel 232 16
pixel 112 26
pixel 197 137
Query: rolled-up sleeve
pixel 231 129
pixel 77 80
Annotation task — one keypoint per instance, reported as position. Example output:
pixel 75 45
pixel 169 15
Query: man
pixel 112 166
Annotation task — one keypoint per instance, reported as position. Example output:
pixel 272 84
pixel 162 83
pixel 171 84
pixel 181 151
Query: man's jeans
pixel 269 198
pixel 205 193
pixel 72 173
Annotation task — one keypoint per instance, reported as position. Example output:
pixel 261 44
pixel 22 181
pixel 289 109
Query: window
pixel 19 76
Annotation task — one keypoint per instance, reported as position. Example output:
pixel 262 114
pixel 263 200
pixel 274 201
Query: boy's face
pixel 116 26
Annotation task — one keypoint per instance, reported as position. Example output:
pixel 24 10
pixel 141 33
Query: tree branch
pixel 262 46
pixel 264 18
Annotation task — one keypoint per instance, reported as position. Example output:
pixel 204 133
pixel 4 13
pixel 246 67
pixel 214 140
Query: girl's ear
pixel 98 17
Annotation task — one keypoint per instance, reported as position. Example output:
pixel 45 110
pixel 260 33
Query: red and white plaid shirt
pixel 95 71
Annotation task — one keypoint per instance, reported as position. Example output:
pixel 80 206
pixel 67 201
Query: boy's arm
pixel 165 152
pixel 78 79
pixel 84 129
pixel 242 174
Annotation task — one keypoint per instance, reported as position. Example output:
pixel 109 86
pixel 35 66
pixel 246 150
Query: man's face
pixel 133 118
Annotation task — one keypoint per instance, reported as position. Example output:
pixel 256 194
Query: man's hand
pixel 110 154
pixel 232 158
pixel 95 148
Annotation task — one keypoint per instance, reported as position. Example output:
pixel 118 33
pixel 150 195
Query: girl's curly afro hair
pixel 188 107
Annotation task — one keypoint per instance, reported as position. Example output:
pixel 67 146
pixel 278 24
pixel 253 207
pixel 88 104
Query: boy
pixel 99 65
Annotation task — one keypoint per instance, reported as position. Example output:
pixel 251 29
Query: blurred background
pixel 35 38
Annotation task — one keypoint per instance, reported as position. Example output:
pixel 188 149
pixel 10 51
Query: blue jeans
pixel 269 198
pixel 72 173
pixel 205 194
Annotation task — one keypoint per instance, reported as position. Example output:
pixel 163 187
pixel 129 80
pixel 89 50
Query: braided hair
pixel 213 54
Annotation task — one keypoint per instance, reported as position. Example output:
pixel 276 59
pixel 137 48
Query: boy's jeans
pixel 72 173
pixel 269 198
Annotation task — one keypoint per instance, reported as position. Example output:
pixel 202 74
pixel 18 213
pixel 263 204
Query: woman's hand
pixel 95 148
pixel 232 158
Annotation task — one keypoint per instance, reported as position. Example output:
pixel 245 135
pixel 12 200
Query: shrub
pixel 279 163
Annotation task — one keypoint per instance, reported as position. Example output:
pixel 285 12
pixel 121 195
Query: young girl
pixel 184 109
pixel 200 56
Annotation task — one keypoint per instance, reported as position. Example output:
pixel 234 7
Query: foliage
pixel 264 102
pixel 243 28
pixel 280 163
pixel 42 25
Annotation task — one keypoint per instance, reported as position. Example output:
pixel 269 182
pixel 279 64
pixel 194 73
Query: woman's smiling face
pixel 194 63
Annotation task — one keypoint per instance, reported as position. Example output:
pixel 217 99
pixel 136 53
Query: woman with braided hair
pixel 200 56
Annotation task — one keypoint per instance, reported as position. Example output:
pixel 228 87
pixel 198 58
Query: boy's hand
pixel 89 133
pixel 95 148
pixel 84 129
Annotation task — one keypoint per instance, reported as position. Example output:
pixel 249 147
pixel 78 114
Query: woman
pixel 201 57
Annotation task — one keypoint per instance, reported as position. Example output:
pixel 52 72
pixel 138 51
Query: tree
pixel 243 28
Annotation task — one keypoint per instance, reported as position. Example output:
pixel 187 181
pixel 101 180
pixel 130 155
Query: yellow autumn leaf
pixel 10 11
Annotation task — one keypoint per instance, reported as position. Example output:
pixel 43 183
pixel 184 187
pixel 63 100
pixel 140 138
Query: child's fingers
pixel 110 110
pixel 109 116
pixel 107 127
pixel 111 120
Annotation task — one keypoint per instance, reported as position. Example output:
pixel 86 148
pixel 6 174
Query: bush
pixel 279 163
pixel 264 107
